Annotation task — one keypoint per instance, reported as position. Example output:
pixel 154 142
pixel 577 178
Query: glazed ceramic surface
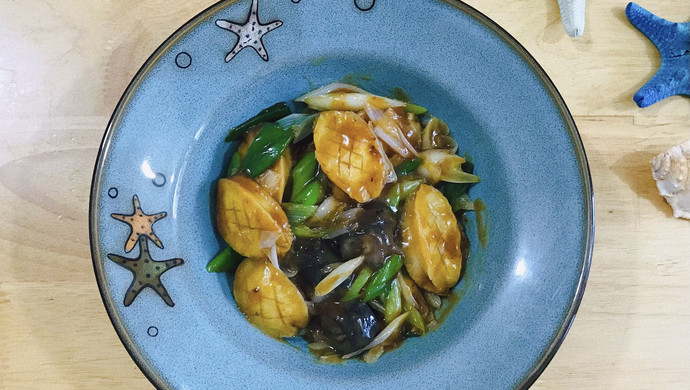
pixel 152 202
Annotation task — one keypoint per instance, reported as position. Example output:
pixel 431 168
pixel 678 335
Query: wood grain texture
pixel 64 65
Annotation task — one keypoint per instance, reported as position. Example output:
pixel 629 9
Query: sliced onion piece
pixel 407 143
pixel 332 87
pixel 391 141
pixel 337 276
pixel 389 330
pixel 388 130
pixel 391 177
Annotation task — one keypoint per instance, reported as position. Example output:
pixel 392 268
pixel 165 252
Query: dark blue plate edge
pixel 133 350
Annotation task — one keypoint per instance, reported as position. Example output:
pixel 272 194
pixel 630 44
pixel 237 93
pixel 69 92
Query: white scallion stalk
pixel 270 179
pixel 352 101
pixel 318 346
pixel 432 299
pixel 373 354
pixel 377 306
pixel 338 232
pixel 328 206
pixel 345 221
pixel 387 332
pixel 332 87
pixel 310 306
pixel 273 256
pixel 441 164
pixel 406 291
pixel 267 244
pixel 337 276
pixel 289 273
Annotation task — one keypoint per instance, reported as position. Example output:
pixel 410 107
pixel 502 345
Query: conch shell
pixel 670 170
pixel 573 16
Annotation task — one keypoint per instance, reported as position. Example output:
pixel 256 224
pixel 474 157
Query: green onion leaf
pixel 415 318
pixel 360 281
pixel 226 261
pixel 269 114
pixel 456 193
pixel 266 148
pixel 301 125
pixel 459 176
pixel 462 202
pixel 393 197
pixel 408 187
pixel 310 194
pixel 400 191
pixel 304 231
pixel 302 173
pixel 234 165
pixel 415 109
pixel 408 166
pixel 393 302
pixel 298 213
pixel 382 277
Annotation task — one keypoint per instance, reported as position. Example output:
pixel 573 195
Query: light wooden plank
pixel 64 65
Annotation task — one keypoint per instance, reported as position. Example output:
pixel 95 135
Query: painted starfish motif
pixel 250 33
pixel 147 272
pixel 673 42
pixel 140 225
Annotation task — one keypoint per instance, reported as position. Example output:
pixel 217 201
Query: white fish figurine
pixel 573 16
pixel 670 170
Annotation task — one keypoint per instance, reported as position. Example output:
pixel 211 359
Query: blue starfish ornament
pixel 673 42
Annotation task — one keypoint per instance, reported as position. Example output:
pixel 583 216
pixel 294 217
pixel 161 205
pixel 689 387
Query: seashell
pixel 573 16
pixel 670 170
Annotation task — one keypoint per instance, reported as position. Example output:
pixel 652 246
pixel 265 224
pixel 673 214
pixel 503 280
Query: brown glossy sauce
pixel 482 222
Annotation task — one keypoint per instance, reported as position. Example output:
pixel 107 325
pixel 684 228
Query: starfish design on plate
pixel 250 33
pixel 147 272
pixel 673 42
pixel 140 224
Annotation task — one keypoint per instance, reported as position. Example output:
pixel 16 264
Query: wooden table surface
pixel 64 64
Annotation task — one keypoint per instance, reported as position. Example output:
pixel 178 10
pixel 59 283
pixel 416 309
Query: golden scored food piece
pixel 275 178
pixel 431 240
pixel 347 152
pixel 268 298
pixel 246 210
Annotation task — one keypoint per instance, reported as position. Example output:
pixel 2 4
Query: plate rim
pixel 134 351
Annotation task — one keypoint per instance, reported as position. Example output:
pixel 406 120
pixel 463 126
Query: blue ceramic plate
pixel 152 196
